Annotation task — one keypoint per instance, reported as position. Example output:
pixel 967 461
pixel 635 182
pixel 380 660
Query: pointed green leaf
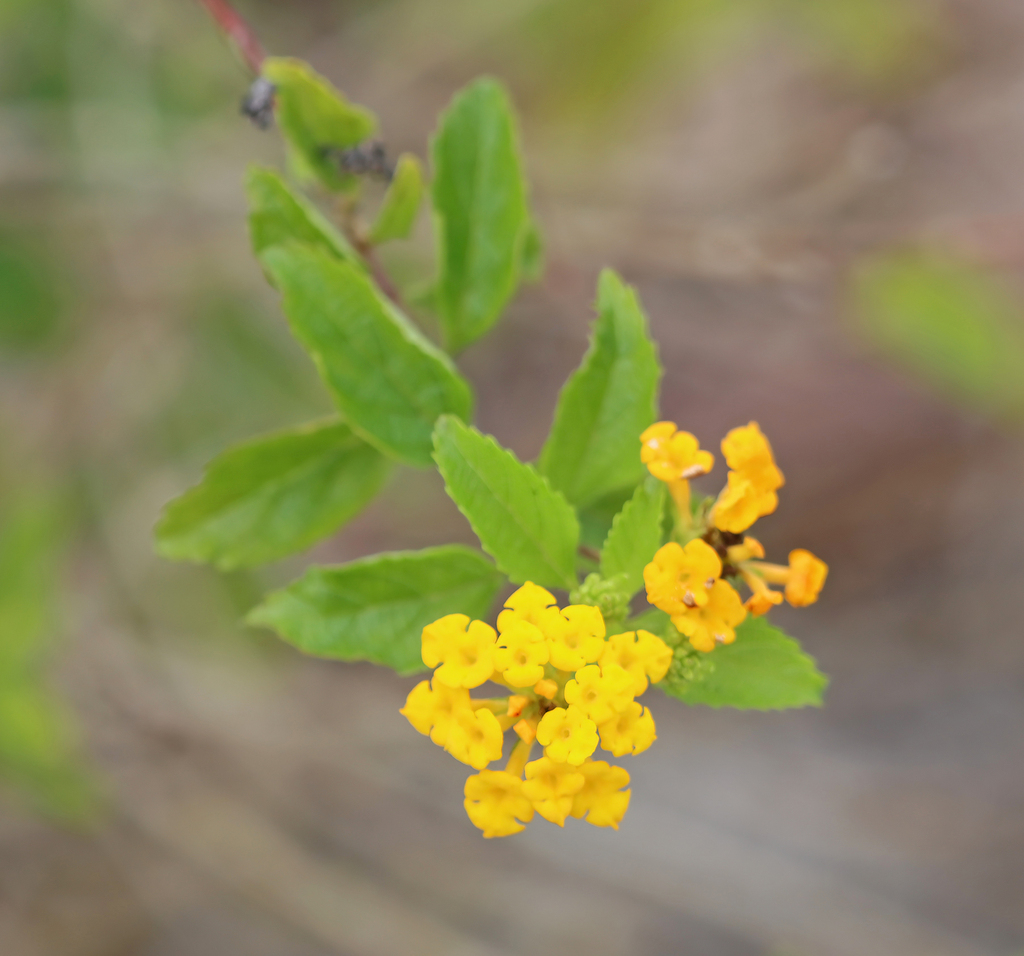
pixel 597 517
pixel 273 496
pixel 762 670
pixel 635 536
pixel 594 445
pixel 401 202
pixel 277 214
pixel 316 119
pixel 479 196
pixel 375 609
pixel 527 527
pixel 390 383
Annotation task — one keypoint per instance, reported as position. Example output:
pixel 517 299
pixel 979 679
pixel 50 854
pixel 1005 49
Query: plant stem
pixel 238 31
pixel 244 37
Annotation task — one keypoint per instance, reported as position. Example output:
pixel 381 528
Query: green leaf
pixel 594 445
pixel 635 536
pixel 390 383
pixel 316 119
pixel 951 323
pixel 596 518
pixel 762 670
pixel 375 609
pixel 273 496
pixel 397 213
pixel 657 622
pixel 527 527
pixel 278 214
pixel 479 196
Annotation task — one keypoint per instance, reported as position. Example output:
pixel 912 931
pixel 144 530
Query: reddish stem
pixel 237 30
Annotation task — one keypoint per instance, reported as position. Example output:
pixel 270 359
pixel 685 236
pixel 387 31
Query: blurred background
pixel 822 205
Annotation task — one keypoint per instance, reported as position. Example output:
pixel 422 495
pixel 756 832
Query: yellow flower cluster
pixel 573 689
pixel 691 583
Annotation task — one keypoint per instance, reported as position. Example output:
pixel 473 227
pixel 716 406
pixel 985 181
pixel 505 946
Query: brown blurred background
pixel 822 205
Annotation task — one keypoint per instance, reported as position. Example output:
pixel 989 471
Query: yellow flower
pixel 465 654
pixel 642 654
pixel 804 578
pixel 714 623
pixel 474 737
pixel 567 735
pixel 575 635
pixel 495 803
pixel 432 710
pixel 630 732
pixel 807 578
pixel 749 548
pixel 601 692
pixel 762 598
pixel 672 455
pixel 750 489
pixel 741 502
pixel 526 604
pixel 678 578
pixel 551 786
pixel 521 654
pixel 747 451
pixel 601 797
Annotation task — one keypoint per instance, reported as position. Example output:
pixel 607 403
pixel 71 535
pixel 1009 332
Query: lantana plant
pixel 619 577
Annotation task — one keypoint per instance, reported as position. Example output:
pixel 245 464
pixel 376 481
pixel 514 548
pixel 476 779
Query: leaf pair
pixel 486 238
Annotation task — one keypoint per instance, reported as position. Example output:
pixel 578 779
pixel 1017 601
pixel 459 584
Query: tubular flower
pixel 601 692
pixel 807 578
pixel 601 798
pixel 681 580
pixel 741 503
pixel 567 735
pixel 747 549
pixel 754 478
pixel 496 804
pixel 678 578
pixel 526 604
pixel 466 654
pixel 762 598
pixel 641 654
pixel 433 710
pixel 551 786
pixel 630 732
pixel 714 623
pixel 474 737
pixel 672 455
pixel 746 450
pixel 804 578
pixel 575 635
pixel 521 654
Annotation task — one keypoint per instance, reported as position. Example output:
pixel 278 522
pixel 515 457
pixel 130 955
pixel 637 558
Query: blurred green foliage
pixel 38 746
pixel 31 304
pixel 951 323
pixel 587 57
